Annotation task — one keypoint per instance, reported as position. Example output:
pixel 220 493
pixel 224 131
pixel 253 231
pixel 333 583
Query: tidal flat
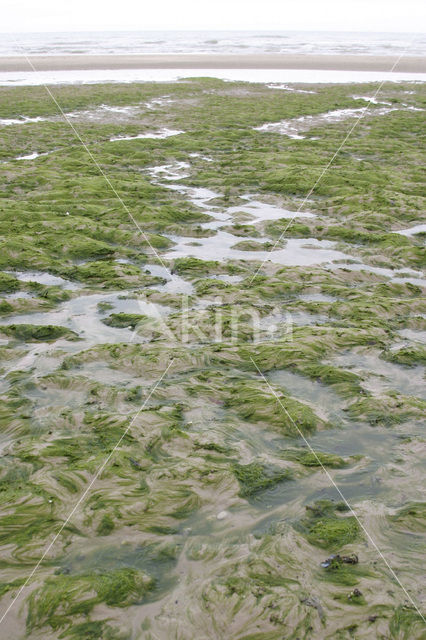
pixel 198 310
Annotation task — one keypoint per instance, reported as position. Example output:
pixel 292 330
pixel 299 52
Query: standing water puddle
pixel 385 375
pixel 81 315
pixel 44 278
pixel 297 252
pixel 328 405
pixel 155 135
pixel 293 128
pixel 263 211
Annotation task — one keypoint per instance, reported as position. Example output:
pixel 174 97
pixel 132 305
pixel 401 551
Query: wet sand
pixel 410 64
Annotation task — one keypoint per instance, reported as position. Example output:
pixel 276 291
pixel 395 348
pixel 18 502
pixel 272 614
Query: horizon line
pixel 221 30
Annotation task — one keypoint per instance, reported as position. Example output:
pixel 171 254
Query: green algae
pixel 34 333
pixel 411 517
pixel 388 411
pixel 52 294
pixel 165 471
pixel 252 245
pixel 242 230
pixel 345 575
pixel 5 307
pixel 254 478
pixel 258 405
pixel 406 623
pixel 195 266
pixel 100 435
pixel 407 356
pixel 69 481
pixel 15 482
pixel 64 596
pixel 331 533
pixel 106 525
pixel 355 597
pixel 295 230
pixel 124 320
pixel 104 306
pixel 8 283
pixel 31 524
pixel 310 345
pixel 213 446
pixel 343 382
pixel 210 286
pixel 112 275
pixel 5 587
pixel 315 459
pixel 189 503
pixel 93 630
pixel 324 528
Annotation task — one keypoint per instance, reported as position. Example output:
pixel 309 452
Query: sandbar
pixel 409 64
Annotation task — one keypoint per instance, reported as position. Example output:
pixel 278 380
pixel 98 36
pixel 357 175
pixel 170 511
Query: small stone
pixel 222 515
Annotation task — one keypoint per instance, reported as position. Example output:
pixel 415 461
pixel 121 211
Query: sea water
pixel 213 42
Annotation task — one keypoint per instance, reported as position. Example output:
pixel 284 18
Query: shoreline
pixel 413 64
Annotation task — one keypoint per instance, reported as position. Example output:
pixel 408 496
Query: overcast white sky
pixel 102 15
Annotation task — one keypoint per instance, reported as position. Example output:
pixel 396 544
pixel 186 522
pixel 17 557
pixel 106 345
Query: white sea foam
pixel 102 111
pixel 32 156
pixel 304 76
pixel 174 171
pixel 5 122
pixel 371 100
pixel 285 87
pixel 293 128
pixel 163 133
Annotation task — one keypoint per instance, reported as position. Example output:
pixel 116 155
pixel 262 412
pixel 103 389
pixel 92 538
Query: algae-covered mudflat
pixel 168 287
